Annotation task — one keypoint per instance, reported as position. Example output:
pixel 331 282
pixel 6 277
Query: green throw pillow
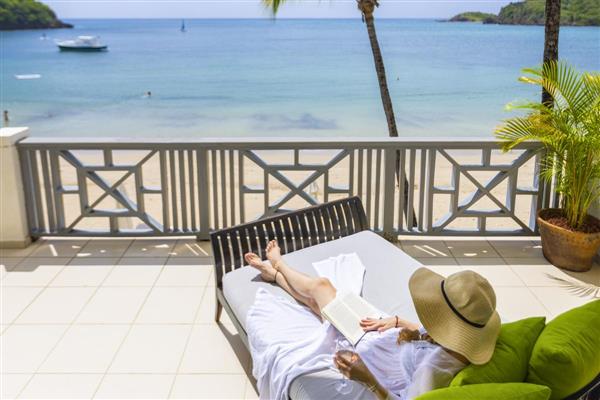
pixel 566 356
pixel 511 355
pixel 490 391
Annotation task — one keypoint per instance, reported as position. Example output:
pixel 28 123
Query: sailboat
pixel 182 29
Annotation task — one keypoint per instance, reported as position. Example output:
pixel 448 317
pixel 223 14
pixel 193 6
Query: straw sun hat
pixel 458 312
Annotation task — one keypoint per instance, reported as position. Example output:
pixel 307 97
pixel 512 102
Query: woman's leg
pixel 319 289
pixel 269 274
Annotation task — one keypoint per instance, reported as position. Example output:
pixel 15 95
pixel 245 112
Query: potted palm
pixel 569 129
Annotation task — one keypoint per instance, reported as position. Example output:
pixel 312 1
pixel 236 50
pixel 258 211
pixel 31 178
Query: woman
pixel 396 359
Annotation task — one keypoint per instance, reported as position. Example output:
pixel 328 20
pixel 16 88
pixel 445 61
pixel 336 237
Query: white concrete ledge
pixel 14 230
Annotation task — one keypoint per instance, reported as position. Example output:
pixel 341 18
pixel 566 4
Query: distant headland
pixel 28 14
pixel 531 12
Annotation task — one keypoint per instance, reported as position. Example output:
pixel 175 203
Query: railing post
pixel 14 229
pixel 389 187
pixel 204 204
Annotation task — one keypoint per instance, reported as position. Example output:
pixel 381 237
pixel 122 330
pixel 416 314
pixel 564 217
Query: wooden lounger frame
pixel 293 231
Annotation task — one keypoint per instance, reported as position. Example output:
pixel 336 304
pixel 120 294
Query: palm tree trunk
pixel 367 7
pixel 551 31
pixel 381 77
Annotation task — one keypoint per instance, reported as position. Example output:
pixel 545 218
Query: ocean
pixel 275 78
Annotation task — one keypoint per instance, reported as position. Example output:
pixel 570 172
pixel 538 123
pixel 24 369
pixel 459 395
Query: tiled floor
pixel 134 318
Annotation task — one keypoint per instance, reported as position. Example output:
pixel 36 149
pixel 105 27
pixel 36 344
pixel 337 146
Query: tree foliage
pixel 27 14
pixel 531 12
pixel 569 131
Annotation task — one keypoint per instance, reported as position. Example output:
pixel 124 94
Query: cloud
pixel 305 121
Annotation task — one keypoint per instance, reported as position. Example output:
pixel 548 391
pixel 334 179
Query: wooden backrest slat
pixel 306 237
pixel 294 231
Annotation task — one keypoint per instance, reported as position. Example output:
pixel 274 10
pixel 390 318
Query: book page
pixel 345 313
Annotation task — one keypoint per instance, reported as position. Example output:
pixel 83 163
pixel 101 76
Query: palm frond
pixel 578 288
pixel 569 131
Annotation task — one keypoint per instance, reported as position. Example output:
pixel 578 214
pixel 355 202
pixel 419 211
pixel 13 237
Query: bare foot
pixel 273 253
pixel 267 272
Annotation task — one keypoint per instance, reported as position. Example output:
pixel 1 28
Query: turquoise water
pixel 309 78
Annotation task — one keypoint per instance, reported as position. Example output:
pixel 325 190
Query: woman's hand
pixel 380 325
pixel 352 367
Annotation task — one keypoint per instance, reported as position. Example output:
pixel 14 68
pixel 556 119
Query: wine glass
pixel 343 386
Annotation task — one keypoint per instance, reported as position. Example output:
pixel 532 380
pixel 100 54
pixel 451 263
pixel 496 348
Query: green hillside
pixel 473 16
pixel 531 12
pixel 28 14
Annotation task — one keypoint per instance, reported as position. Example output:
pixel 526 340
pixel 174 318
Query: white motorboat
pixel 82 43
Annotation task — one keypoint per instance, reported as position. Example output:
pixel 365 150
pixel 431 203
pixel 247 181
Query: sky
pixel 70 9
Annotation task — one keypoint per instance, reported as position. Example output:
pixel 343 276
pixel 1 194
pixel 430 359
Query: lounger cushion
pixel 511 355
pixel 385 285
pixel 566 356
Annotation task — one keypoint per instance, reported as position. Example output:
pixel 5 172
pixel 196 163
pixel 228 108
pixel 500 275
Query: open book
pixel 345 312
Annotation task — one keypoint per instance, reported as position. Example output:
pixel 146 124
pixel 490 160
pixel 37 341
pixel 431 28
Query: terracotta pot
pixel 564 248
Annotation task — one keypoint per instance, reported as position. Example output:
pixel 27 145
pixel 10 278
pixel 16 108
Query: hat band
pixel 458 314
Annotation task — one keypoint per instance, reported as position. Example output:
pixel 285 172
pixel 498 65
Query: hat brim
pixel 444 326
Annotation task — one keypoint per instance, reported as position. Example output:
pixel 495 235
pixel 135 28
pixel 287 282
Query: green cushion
pixel 511 355
pixel 566 356
pixel 490 391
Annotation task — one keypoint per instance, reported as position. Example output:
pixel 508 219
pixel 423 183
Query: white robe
pixel 288 340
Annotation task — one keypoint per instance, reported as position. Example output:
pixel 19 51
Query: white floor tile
pixel 514 303
pixel 25 252
pixel 151 349
pixel 133 275
pixel 250 393
pixel 206 313
pixel 497 275
pixel 437 261
pixel 471 248
pixel 150 248
pixel 191 248
pixel 8 263
pixel 56 305
pixel 84 272
pixel 210 351
pixel 526 261
pixel 444 270
pixel 209 387
pixel 557 300
pixel 426 248
pixel 184 275
pixel 547 275
pixel 58 248
pixel 34 272
pixel 171 305
pixel 85 349
pixel 12 384
pixel 24 347
pixel 480 261
pixel 517 248
pixel 104 248
pixel 61 386
pixel 15 300
pixel 138 386
pixel 113 305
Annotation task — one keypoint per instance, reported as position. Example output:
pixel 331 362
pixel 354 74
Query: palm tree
pixel 367 7
pixel 552 27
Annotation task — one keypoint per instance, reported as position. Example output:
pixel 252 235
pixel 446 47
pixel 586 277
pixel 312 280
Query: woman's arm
pixel 352 366
pixel 383 324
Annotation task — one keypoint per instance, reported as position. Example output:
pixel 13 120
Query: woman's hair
pixel 408 335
